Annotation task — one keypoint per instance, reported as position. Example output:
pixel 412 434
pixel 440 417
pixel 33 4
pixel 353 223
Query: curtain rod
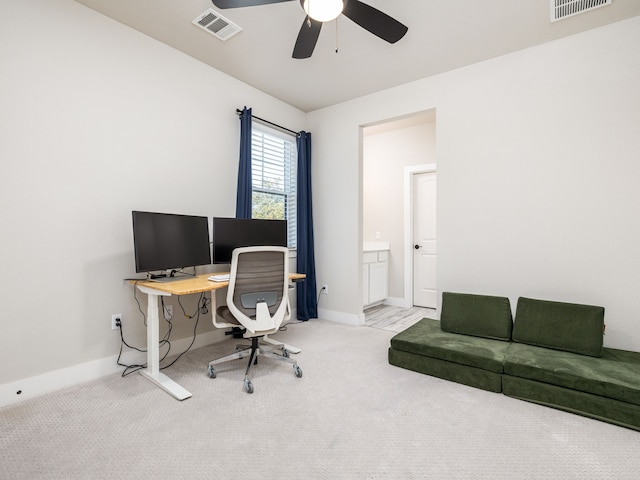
pixel 238 111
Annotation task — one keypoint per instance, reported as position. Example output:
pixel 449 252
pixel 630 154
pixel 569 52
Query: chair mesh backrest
pixel 259 272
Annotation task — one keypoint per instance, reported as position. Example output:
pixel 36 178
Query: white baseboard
pixel 397 302
pixel 339 317
pixel 48 382
pixel 31 387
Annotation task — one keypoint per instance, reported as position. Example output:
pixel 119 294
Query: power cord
pixel 324 287
pixel 203 301
pixel 284 327
pixel 131 368
pixel 202 308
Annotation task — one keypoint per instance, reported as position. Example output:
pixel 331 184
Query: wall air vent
pixel 567 8
pixel 214 23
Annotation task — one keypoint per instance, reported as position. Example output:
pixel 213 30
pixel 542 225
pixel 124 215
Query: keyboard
pixel 223 277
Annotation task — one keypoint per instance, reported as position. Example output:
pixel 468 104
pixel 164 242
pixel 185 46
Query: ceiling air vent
pixel 216 24
pixel 567 8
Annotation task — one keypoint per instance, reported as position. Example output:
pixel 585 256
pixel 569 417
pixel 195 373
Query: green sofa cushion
pixel 582 403
pixel 477 315
pixel 454 372
pixel 616 374
pixel 561 326
pixel 426 338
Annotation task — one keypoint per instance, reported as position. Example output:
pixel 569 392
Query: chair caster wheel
pixel 248 386
pixel 211 371
pixel 285 353
pixel 297 371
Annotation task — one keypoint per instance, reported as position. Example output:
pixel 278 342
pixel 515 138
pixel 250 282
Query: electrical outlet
pixel 168 311
pixel 325 289
pixel 116 320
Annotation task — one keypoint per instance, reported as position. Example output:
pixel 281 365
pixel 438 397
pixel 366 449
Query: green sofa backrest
pixel 560 326
pixel 477 315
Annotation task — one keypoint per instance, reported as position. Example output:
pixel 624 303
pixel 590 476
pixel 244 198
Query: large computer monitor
pixel 165 241
pixel 231 233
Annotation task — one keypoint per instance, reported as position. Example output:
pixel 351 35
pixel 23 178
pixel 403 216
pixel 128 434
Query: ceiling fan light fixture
pixel 323 10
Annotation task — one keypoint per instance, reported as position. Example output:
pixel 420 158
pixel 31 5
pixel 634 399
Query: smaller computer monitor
pixel 165 241
pixel 231 233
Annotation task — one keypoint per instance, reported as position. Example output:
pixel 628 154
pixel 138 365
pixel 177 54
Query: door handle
pixel 416 247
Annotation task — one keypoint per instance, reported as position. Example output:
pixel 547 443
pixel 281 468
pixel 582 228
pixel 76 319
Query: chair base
pixel 254 351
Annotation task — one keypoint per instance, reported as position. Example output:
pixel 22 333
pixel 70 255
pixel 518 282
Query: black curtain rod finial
pixel 238 111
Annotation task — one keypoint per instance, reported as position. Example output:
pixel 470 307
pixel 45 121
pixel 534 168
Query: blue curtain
pixel 307 303
pixel 243 195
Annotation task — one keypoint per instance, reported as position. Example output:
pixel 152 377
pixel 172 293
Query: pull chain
pixel 336 35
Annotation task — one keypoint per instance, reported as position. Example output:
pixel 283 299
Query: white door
pixel 424 240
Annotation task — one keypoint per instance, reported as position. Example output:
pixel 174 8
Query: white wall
pixel 98 120
pixel 537 177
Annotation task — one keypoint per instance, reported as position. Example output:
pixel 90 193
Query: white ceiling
pixel 443 35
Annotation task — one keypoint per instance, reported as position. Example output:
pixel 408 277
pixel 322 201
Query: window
pixel 274 177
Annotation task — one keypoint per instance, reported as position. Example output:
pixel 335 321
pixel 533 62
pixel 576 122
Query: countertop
pixel 375 246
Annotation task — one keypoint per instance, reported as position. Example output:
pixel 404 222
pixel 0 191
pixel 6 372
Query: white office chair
pixel 257 302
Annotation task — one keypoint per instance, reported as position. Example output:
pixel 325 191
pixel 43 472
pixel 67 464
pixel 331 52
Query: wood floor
pixel 395 319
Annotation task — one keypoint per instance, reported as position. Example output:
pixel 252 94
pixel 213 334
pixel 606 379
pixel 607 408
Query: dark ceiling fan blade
pixel 307 38
pixel 375 21
pixel 244 3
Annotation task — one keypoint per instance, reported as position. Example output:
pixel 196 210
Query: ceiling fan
pixel 369 18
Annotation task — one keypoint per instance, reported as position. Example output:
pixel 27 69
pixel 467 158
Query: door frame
pixel 409 172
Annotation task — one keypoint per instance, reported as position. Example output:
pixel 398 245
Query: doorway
pixel 392 151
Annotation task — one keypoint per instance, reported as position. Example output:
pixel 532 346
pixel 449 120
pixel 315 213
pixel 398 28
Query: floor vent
pixel 214 23
pixel 567 8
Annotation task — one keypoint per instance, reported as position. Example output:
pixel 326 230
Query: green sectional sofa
pixel 552 354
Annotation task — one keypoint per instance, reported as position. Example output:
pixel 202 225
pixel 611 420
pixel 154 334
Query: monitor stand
pixel 169 278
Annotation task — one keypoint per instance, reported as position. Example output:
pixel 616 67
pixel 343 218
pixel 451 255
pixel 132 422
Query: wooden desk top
pixel 199 283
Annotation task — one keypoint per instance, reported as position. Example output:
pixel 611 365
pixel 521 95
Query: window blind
pixel 274 177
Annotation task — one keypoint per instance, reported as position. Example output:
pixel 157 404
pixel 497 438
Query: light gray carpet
pixel 351 416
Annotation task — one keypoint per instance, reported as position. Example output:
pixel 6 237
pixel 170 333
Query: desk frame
pixel 155 290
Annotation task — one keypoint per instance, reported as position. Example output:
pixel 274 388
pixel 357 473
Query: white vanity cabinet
pixel 375 276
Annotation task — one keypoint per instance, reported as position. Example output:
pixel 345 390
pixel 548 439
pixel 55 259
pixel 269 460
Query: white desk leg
pixel 152 372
